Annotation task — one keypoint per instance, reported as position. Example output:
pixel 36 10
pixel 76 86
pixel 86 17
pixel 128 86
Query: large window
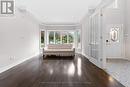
pixel 61 37
pixel 51 37
pixel 42 39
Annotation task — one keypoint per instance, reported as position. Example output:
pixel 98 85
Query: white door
pixel 113 33
pixel 95 39
pixel 114 41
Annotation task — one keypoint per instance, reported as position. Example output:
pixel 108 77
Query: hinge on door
pixel 101 14
pixel 100 59
pixel 101 37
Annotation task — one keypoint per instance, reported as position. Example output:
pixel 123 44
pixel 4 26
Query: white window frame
pixel 75 39
pixel 45 38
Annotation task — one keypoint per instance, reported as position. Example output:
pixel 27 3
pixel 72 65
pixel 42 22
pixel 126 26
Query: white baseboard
pixel 123 58
pixel 86 56
pixel 127 59
pixel 92 60
pixel 17 63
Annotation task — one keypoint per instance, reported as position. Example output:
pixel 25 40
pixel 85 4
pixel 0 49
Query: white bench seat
pixel 59 50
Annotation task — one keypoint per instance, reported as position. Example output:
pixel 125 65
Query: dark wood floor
pixel 57 72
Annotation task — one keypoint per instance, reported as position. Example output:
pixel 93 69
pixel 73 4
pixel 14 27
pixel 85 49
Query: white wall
pixel 85 36
pixel 128 29
pixel 19 39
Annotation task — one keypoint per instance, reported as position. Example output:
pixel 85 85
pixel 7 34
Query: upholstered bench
pixel 59 50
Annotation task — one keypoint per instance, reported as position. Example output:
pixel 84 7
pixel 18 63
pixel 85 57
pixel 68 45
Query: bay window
pixel 61 37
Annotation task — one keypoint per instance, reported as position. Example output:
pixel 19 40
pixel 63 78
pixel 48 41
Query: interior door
pixel 95 38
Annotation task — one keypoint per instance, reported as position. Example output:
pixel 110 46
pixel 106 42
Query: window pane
pixel 64 38
pixel 71 37
pixel 51 38
pixel 57 38
pixel 79 39
pixel 61 37
pixel 42 39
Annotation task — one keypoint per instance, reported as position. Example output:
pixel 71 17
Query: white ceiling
pixel 58 11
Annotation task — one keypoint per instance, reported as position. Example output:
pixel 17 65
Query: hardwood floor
pixel 57 72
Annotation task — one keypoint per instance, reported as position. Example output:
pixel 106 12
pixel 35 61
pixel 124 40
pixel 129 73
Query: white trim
pixel 17 63
pixel 54 38
pixel 60 24
pixel 86 55
pixel 78 51
pixel 127 59
pixel 93 60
